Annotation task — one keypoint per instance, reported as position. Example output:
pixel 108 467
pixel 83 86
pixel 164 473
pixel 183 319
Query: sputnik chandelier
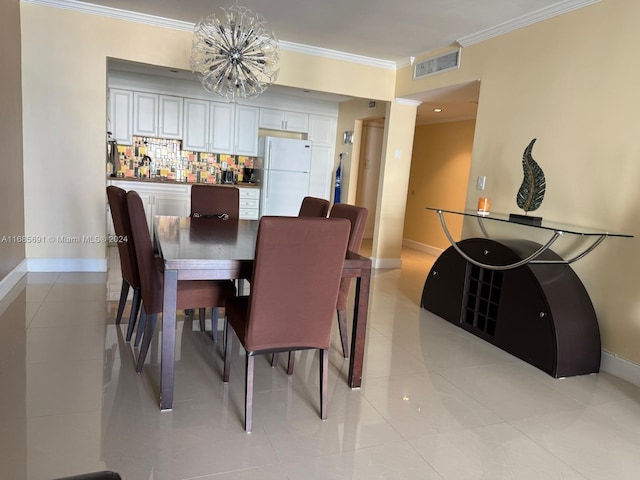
pixel 233 54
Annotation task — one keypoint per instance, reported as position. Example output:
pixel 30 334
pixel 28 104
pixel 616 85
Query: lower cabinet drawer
pixel 249 213
pixel 249 203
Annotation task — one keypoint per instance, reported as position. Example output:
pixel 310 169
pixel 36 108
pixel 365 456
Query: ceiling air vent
pixel 445 62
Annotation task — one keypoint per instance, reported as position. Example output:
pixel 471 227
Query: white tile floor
pixel 436 402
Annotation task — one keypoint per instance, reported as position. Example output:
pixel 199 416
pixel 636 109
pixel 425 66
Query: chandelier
pixel 233 55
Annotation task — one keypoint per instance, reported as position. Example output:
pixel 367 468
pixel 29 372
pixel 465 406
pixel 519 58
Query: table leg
pixel 359 330
pixel 168 338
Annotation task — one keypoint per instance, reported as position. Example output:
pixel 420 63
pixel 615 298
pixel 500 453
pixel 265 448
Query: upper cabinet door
pixel 145 114
pixel 221 127
pixel 246 130
pixel 120 122
pixel 284 120
pixel 297 122
pixel 170 116
pixel 271 119
pixel 196 125
pixel 322 130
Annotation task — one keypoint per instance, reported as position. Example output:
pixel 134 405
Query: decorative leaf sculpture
pixel 534 185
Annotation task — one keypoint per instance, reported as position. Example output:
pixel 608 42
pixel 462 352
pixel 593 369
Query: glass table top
pixel 544 225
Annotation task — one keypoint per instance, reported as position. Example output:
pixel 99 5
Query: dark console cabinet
pixel 539 312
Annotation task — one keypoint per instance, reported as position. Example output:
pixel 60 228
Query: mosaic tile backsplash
pixel 164 159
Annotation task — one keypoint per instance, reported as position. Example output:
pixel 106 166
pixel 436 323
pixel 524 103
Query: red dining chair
pixel 357 216
pixel 191 294
pixel 128 263
pixel 214 200
pixel 293 295
pixel 313 207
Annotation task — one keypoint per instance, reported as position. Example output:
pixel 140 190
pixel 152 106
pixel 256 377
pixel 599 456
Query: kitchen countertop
pixel 165 181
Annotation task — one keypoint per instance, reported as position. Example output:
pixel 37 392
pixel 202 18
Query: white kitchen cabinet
pixel 220 127
pixel 246 130
pixel 196 125
pixel 170 115
pixel 145 114
pixel 157 115
pixel 283 120
pixel 158 199
pixel 321 172
pixel 249 203
pixel 322 130
pixel 175 203
pixel 120 122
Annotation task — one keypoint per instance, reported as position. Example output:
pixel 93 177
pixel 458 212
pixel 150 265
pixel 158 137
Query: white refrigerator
pixel 285 175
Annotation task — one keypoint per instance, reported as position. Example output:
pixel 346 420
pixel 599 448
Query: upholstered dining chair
pixel 293 295
pixel 191 294
pixel 357 216
pixel 215 200
pixel 117 198
pixel 313 207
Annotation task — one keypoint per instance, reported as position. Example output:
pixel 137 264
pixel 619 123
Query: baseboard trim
pixel 386 262
pixel 422 247
pixel 67 264
pixel 620 367
pixel 12 278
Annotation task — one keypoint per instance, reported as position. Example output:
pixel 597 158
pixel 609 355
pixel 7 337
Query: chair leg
pixel 227 353
pixel 274 359
pixel 342 326
pixel 292 360
pixel 203 315
pixel 324 382
pixel 124 292
pixel 214 323
pixel 248 394
pixel 135 309
pixel 148 335
pixel 141 326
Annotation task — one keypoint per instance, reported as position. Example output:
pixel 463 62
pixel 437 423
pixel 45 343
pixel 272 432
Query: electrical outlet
pixel 481 181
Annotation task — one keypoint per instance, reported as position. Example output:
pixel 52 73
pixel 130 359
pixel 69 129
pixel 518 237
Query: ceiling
pixel 389 31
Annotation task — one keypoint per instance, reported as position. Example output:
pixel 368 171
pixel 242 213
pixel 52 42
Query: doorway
pixel 371 140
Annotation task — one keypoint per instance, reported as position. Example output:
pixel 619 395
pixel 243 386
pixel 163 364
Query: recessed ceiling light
pixel 437 110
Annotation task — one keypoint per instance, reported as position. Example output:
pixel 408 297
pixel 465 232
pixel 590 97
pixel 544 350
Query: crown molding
pixel 82 7
pixel 520 22
pixel 337 55
pixel 153 20
pixel 524 21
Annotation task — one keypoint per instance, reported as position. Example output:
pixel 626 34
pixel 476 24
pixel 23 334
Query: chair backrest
pixel 358 218
pixel 150 274
pixel 215 200
pixel 297 270
pixel 117 198
pixel 314 207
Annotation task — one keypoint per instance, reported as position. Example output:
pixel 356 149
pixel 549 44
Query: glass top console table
pixel 593 237
pixel 517 293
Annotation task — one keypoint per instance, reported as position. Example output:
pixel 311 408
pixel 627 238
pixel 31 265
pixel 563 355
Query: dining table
pixel 213 248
